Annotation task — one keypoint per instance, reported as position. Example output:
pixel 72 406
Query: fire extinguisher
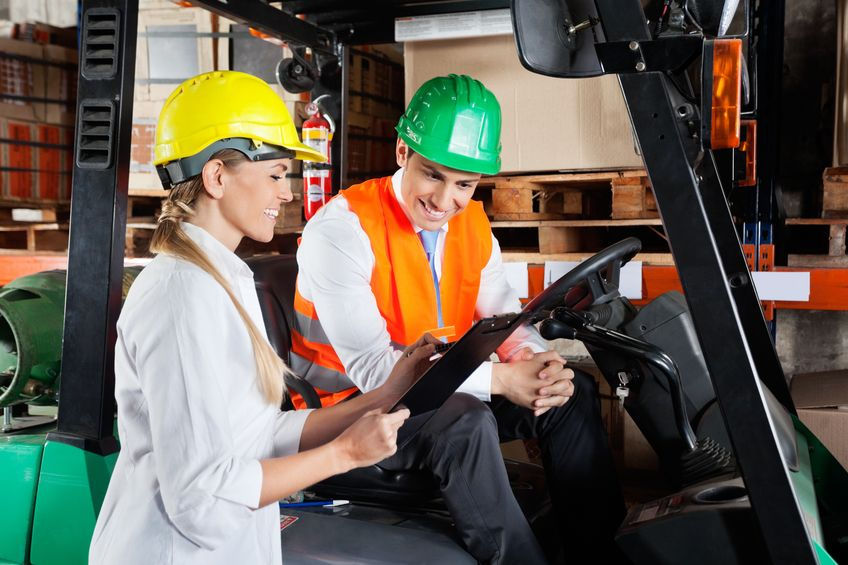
pixel 317 177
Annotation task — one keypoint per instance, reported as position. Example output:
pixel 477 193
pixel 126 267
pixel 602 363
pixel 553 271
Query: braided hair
pixel 170 239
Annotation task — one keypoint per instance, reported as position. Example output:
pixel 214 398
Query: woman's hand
pixel 413 363
pixel 370 439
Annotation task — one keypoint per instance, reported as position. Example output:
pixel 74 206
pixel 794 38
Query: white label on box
pixel 630 283
pixel 516 275
pixel 793 287
pixel 450 26
pixel 27 215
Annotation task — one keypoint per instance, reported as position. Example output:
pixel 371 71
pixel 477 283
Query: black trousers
pixel 460 446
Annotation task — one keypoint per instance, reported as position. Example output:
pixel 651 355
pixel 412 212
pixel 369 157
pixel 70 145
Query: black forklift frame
pixel 704 242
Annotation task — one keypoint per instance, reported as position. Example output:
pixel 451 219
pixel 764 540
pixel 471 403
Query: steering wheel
pixel 599 274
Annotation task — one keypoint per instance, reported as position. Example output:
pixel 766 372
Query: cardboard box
pixel 835 192
pixel 61 13
pixel 23 78
pixel 291 213
pixel 548 123
pixel 36 164
pixel 38 32
pixel 61 84
pixel 376 85
pixel 184 49
pixel 821 400
pixel 36 79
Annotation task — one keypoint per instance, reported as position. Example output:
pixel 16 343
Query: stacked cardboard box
pixel 38 32
pixel 549 124
pixel 376 103
pixel 61 13
pixel 822 403
pixel 37 98
pixel 35 162
pixel 37 82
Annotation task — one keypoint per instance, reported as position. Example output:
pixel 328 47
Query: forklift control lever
pixel 567 323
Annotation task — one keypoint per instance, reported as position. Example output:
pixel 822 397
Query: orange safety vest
pixel 401 281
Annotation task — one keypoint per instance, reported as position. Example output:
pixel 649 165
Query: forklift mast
pixel 718 286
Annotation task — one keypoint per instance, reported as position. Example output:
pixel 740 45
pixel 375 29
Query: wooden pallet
pixel 622 194
pixel 835 192
pixel 835 257
pixel 536 258
pixel 33 211
pixel 583 237
pixel 31 237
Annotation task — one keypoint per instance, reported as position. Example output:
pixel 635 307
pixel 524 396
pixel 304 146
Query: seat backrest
pixel 275 277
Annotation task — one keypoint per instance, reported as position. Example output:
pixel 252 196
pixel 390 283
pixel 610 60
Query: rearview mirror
pixel 557 37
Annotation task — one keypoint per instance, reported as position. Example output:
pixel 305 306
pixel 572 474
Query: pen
pixel 308 503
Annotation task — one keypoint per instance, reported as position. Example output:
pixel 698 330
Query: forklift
pixel 698 371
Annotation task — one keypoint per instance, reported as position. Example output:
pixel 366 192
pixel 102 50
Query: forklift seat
pixel 275 277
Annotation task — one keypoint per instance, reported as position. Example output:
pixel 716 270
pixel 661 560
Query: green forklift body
pixel 71 487
pixel 830 482
pixel 20 463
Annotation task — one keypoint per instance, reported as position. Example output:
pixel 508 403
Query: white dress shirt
pixel 335 262
pixel 193 422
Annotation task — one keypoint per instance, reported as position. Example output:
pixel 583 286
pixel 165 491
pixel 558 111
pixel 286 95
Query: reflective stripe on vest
pixel 401 282
pixel 313 358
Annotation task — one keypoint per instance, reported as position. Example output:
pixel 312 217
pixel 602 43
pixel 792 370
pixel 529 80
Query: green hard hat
pixel 455 121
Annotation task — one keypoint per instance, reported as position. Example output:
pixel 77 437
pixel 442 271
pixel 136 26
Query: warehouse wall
pixel 812 341
pixel 809 70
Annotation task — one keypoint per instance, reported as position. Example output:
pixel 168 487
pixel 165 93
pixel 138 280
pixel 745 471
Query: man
pixel 396 257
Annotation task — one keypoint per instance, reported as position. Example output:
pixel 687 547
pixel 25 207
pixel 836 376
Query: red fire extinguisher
pixel 317 177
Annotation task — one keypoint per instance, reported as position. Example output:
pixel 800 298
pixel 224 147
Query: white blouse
pixel 193 422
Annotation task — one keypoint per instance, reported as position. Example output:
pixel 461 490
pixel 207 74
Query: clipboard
pixel 456 364
pixel 444 376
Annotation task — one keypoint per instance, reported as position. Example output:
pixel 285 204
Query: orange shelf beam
pixel 828 290
pixel 14 266
pixel 828 287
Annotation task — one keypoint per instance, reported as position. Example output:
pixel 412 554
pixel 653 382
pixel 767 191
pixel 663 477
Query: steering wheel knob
pixel 554 329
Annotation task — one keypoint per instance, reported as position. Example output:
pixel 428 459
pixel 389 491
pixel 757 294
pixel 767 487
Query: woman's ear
pixel 212 174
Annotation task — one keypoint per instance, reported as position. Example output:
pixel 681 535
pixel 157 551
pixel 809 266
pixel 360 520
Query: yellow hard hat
pixel 220 110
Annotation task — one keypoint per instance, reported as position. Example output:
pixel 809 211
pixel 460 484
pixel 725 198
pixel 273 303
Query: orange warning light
pixel 726 102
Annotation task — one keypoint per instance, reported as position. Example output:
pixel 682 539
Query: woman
pixel 206 452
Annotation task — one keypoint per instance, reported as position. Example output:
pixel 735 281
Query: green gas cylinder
pixel 32 310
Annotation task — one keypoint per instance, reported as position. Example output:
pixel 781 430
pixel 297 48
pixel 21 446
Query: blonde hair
pixel 169 238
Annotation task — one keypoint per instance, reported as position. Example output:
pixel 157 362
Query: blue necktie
pixel 429 239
